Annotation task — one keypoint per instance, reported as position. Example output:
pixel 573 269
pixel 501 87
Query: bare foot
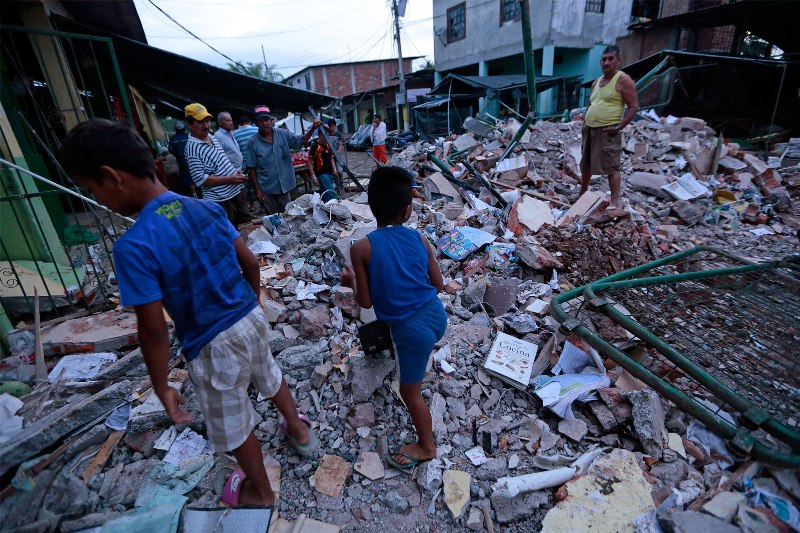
pixel 250 496
pixel 416 451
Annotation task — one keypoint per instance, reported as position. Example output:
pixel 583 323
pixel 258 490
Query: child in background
pixel 323 168
pixel 184 256
pixel 395 272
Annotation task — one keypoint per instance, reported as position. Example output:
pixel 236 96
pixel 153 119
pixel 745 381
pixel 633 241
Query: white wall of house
pixel 560 23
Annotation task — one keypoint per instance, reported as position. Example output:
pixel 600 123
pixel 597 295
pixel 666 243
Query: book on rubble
pixel 511 359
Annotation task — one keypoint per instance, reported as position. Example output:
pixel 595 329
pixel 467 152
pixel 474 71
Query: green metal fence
pixel 724 342
pixel 52 239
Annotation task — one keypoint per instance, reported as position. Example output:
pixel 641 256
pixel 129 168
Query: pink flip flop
pixel 230 494
pixel 303 449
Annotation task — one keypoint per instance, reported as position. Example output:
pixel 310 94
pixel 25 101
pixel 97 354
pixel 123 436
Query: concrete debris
pixel 456 489
pixel 612 493
pixel 501 457
pixel 648 421
pixel 724 505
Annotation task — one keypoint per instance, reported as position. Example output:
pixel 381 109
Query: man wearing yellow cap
pixel 210 168
pixel 602 143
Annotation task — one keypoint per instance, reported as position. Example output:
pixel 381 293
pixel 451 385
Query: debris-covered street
pixel 559 437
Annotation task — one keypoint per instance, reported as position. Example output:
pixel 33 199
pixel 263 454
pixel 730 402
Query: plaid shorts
pixel 221 374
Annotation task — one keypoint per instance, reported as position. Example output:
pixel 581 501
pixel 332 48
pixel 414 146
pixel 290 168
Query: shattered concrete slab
pixel 613 493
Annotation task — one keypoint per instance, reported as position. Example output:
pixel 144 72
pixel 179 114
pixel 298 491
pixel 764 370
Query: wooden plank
pixel 41 367
pixel 102 455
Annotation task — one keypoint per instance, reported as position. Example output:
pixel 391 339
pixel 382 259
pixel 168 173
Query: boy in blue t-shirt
pixel 395 272
pixel 184 256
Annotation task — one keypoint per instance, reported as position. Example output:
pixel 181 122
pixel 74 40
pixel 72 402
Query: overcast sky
pixel 294 33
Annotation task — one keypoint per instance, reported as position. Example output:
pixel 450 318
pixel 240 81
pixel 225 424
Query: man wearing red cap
pixel 268 159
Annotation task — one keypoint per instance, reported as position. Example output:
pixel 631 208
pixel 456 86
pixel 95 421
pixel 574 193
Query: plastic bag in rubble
pixel 783 509
pixel 501 255
pixel 711 444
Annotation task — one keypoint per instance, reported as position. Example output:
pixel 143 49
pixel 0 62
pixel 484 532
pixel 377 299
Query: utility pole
pixel 400 69
pixel 264 55
pixel 527 52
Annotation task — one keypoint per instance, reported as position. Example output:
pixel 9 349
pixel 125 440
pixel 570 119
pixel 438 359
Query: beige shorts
pixel 601 152
pixel 221 374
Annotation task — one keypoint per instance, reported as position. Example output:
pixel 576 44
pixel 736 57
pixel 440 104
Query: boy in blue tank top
pixel 184 256
pixel 395 272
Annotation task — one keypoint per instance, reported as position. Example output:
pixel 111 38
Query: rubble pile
pixel 574 443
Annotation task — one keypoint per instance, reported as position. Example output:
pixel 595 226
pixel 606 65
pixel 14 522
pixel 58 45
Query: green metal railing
pixel 719 328
pixel 50 81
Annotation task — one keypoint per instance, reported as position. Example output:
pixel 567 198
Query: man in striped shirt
pixel 210 168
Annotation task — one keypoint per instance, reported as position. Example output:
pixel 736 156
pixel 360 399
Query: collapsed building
pixel 568 437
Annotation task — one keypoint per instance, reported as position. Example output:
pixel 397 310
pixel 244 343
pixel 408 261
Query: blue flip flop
pixel 407 468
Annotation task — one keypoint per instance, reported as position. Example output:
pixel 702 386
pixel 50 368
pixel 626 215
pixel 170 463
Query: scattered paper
pixel 166 439
pixel 187 446
pixel 308 291
pixel 84 366
pixel 574 360
pixel 760 232
pixel 559 392
pixel 476 455
pixel 10 423
pixel 263 247
pixel 686 188
pixel 462 242
pixel 511 360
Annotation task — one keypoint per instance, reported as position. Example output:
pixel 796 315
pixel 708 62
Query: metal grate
pixel 744 330
pixel 723 334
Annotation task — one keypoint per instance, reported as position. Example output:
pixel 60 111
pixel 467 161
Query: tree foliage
pixel 257 70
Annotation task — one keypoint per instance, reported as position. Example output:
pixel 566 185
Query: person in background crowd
pixel 226 139
pixel 211 169
pixel 378 137
pixel 268 160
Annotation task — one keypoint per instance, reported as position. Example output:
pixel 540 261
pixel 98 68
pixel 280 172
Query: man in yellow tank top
pixel 602 142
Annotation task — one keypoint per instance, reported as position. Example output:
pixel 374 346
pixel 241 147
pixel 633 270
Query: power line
pixel 184 28
pixel 261 35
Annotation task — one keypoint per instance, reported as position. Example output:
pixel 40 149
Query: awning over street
pixel 171 81
pixel 468 85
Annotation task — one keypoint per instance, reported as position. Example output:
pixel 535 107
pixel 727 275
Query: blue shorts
pixel 415 337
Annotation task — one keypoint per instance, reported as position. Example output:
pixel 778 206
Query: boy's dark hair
pixel 389 193
pixel 331 122
pixel 99 142
pixel 245 119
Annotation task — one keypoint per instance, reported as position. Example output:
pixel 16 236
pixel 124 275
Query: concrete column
pixel 54 65
pixel 437 77
pixel 325 81
pixel 548 97
pixel 353 78
pixel 483 70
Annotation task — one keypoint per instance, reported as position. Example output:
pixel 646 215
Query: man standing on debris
pixel 378 137
pixel 268 160
pixel 395 271
pixel 183 255
pixel 602 142
pixel 211 169
pixel 227 139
